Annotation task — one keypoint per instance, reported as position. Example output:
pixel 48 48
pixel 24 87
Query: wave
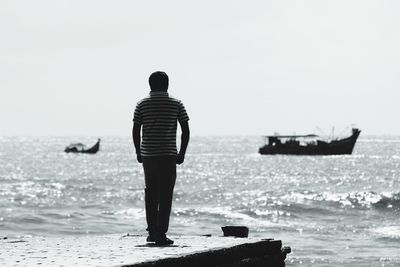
pixel 222 214
pixel 392 202
pixel 129 213
pixel 387 232
pixel 361 200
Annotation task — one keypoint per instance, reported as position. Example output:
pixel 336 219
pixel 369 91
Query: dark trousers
pixel 160 176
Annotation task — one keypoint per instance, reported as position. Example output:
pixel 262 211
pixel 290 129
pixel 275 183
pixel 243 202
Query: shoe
pixel 164 241
pixel 151 238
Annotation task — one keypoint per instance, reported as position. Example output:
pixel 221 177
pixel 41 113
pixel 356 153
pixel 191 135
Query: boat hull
pixel 73 149
pixel 343 146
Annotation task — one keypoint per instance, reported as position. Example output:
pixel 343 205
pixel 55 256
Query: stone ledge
pixel 261 253
pixel 132 250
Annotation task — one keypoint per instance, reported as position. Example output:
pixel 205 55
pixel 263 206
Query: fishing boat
pixel 308 145
pixel 81 148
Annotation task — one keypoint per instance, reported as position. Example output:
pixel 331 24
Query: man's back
pixel 158 113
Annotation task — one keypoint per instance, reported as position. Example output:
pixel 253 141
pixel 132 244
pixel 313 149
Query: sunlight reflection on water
pixel 305 201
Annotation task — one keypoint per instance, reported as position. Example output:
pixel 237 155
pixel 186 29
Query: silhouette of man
pixel 158 114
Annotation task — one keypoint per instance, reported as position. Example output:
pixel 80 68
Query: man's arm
pixel 136 140
pixel 184 141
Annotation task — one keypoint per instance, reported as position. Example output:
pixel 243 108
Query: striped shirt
pixel 158 114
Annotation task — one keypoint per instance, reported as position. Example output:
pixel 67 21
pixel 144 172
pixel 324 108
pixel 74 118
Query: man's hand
pixel 180 158
pixel 136 140
pixel 184 142
pixel 139 158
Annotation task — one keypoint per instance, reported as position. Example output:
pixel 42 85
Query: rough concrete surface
pixel 108 250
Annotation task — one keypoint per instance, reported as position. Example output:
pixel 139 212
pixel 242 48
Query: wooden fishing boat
pixel 308 145
pixel 81 148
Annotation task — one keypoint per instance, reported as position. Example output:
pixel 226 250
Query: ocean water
pixel 331 210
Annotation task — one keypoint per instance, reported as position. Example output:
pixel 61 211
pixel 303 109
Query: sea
pixel 331 210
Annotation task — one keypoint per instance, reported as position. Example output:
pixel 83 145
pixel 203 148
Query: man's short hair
pixel 158 81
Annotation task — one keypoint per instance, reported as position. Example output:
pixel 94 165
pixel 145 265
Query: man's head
pixel 159 81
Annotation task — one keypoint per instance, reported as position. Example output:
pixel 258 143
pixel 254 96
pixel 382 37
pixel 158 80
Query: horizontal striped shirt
pixel 158 114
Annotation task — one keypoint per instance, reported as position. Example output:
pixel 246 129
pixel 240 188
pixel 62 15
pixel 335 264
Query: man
pixel 158 114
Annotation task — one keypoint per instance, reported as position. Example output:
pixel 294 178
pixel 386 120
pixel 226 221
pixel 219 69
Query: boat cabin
pixel 276 140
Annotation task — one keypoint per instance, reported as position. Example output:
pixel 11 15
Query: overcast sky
pixel 240 67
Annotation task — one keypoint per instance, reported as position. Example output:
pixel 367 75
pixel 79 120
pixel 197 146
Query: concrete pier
pixel 132 250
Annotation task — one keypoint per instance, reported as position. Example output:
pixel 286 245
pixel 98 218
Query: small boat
pixel 308 145
pixel 81 148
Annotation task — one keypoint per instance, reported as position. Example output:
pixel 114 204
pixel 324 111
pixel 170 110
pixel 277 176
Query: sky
pixel 240 67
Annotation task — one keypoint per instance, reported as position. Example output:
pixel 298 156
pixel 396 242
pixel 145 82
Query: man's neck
pixel 158 93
